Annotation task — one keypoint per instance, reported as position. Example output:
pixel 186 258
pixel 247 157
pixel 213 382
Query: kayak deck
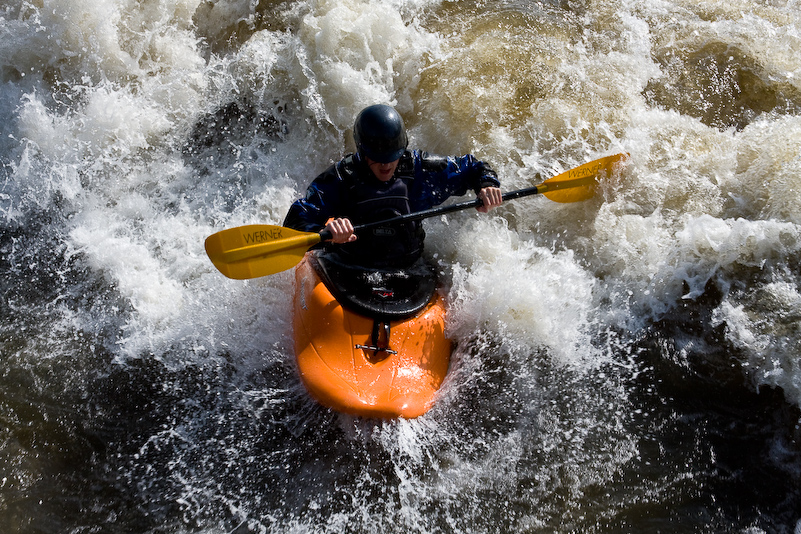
pixel 362 365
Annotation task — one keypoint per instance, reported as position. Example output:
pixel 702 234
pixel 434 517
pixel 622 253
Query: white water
pixel 117 163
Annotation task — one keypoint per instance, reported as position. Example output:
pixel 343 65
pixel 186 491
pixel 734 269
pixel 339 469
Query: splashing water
pixel 622 364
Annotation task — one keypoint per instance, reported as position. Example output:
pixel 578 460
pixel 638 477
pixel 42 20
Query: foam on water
pixel 529 294
pixel 133 130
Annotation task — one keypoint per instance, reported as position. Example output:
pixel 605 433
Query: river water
pixel 625 364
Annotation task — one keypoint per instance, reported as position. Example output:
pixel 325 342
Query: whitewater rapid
pixel 589 336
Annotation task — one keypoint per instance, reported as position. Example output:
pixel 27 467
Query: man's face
pixel 383 171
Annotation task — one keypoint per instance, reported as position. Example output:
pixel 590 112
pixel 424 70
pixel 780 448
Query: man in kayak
pixel 383 180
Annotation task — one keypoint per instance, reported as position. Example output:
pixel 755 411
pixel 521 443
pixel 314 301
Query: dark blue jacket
pixel 349 189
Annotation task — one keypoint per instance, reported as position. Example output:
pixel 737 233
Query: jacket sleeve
pixel 440 177
pixel 323 196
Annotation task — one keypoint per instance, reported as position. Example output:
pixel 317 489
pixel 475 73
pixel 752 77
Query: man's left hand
pixel 491 197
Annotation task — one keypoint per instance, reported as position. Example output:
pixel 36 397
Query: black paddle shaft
pixel 325 235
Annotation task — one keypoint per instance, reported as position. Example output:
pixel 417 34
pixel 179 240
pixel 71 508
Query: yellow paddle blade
pixel 258 249
pixel 579 183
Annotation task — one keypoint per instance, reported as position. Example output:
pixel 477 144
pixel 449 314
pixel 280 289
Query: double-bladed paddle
pixel 256 250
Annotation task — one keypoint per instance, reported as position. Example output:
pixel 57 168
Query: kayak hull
pixel 347 362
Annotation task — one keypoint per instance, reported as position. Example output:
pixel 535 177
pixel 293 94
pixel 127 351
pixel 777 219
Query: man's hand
pixel 491 197
pixel 341 230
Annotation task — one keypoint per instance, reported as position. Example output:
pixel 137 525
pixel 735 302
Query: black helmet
pixel 379 133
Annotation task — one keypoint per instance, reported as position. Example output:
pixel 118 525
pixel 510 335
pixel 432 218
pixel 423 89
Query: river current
pixel 625 364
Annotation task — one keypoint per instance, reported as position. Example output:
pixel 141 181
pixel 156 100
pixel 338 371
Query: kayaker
pixel 384 179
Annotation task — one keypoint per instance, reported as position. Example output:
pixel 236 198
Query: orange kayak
pixel 369 343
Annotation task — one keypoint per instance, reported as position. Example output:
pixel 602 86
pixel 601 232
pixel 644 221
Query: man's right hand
pixel 341 230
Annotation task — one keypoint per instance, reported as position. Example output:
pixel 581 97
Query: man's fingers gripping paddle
pixel 341 231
